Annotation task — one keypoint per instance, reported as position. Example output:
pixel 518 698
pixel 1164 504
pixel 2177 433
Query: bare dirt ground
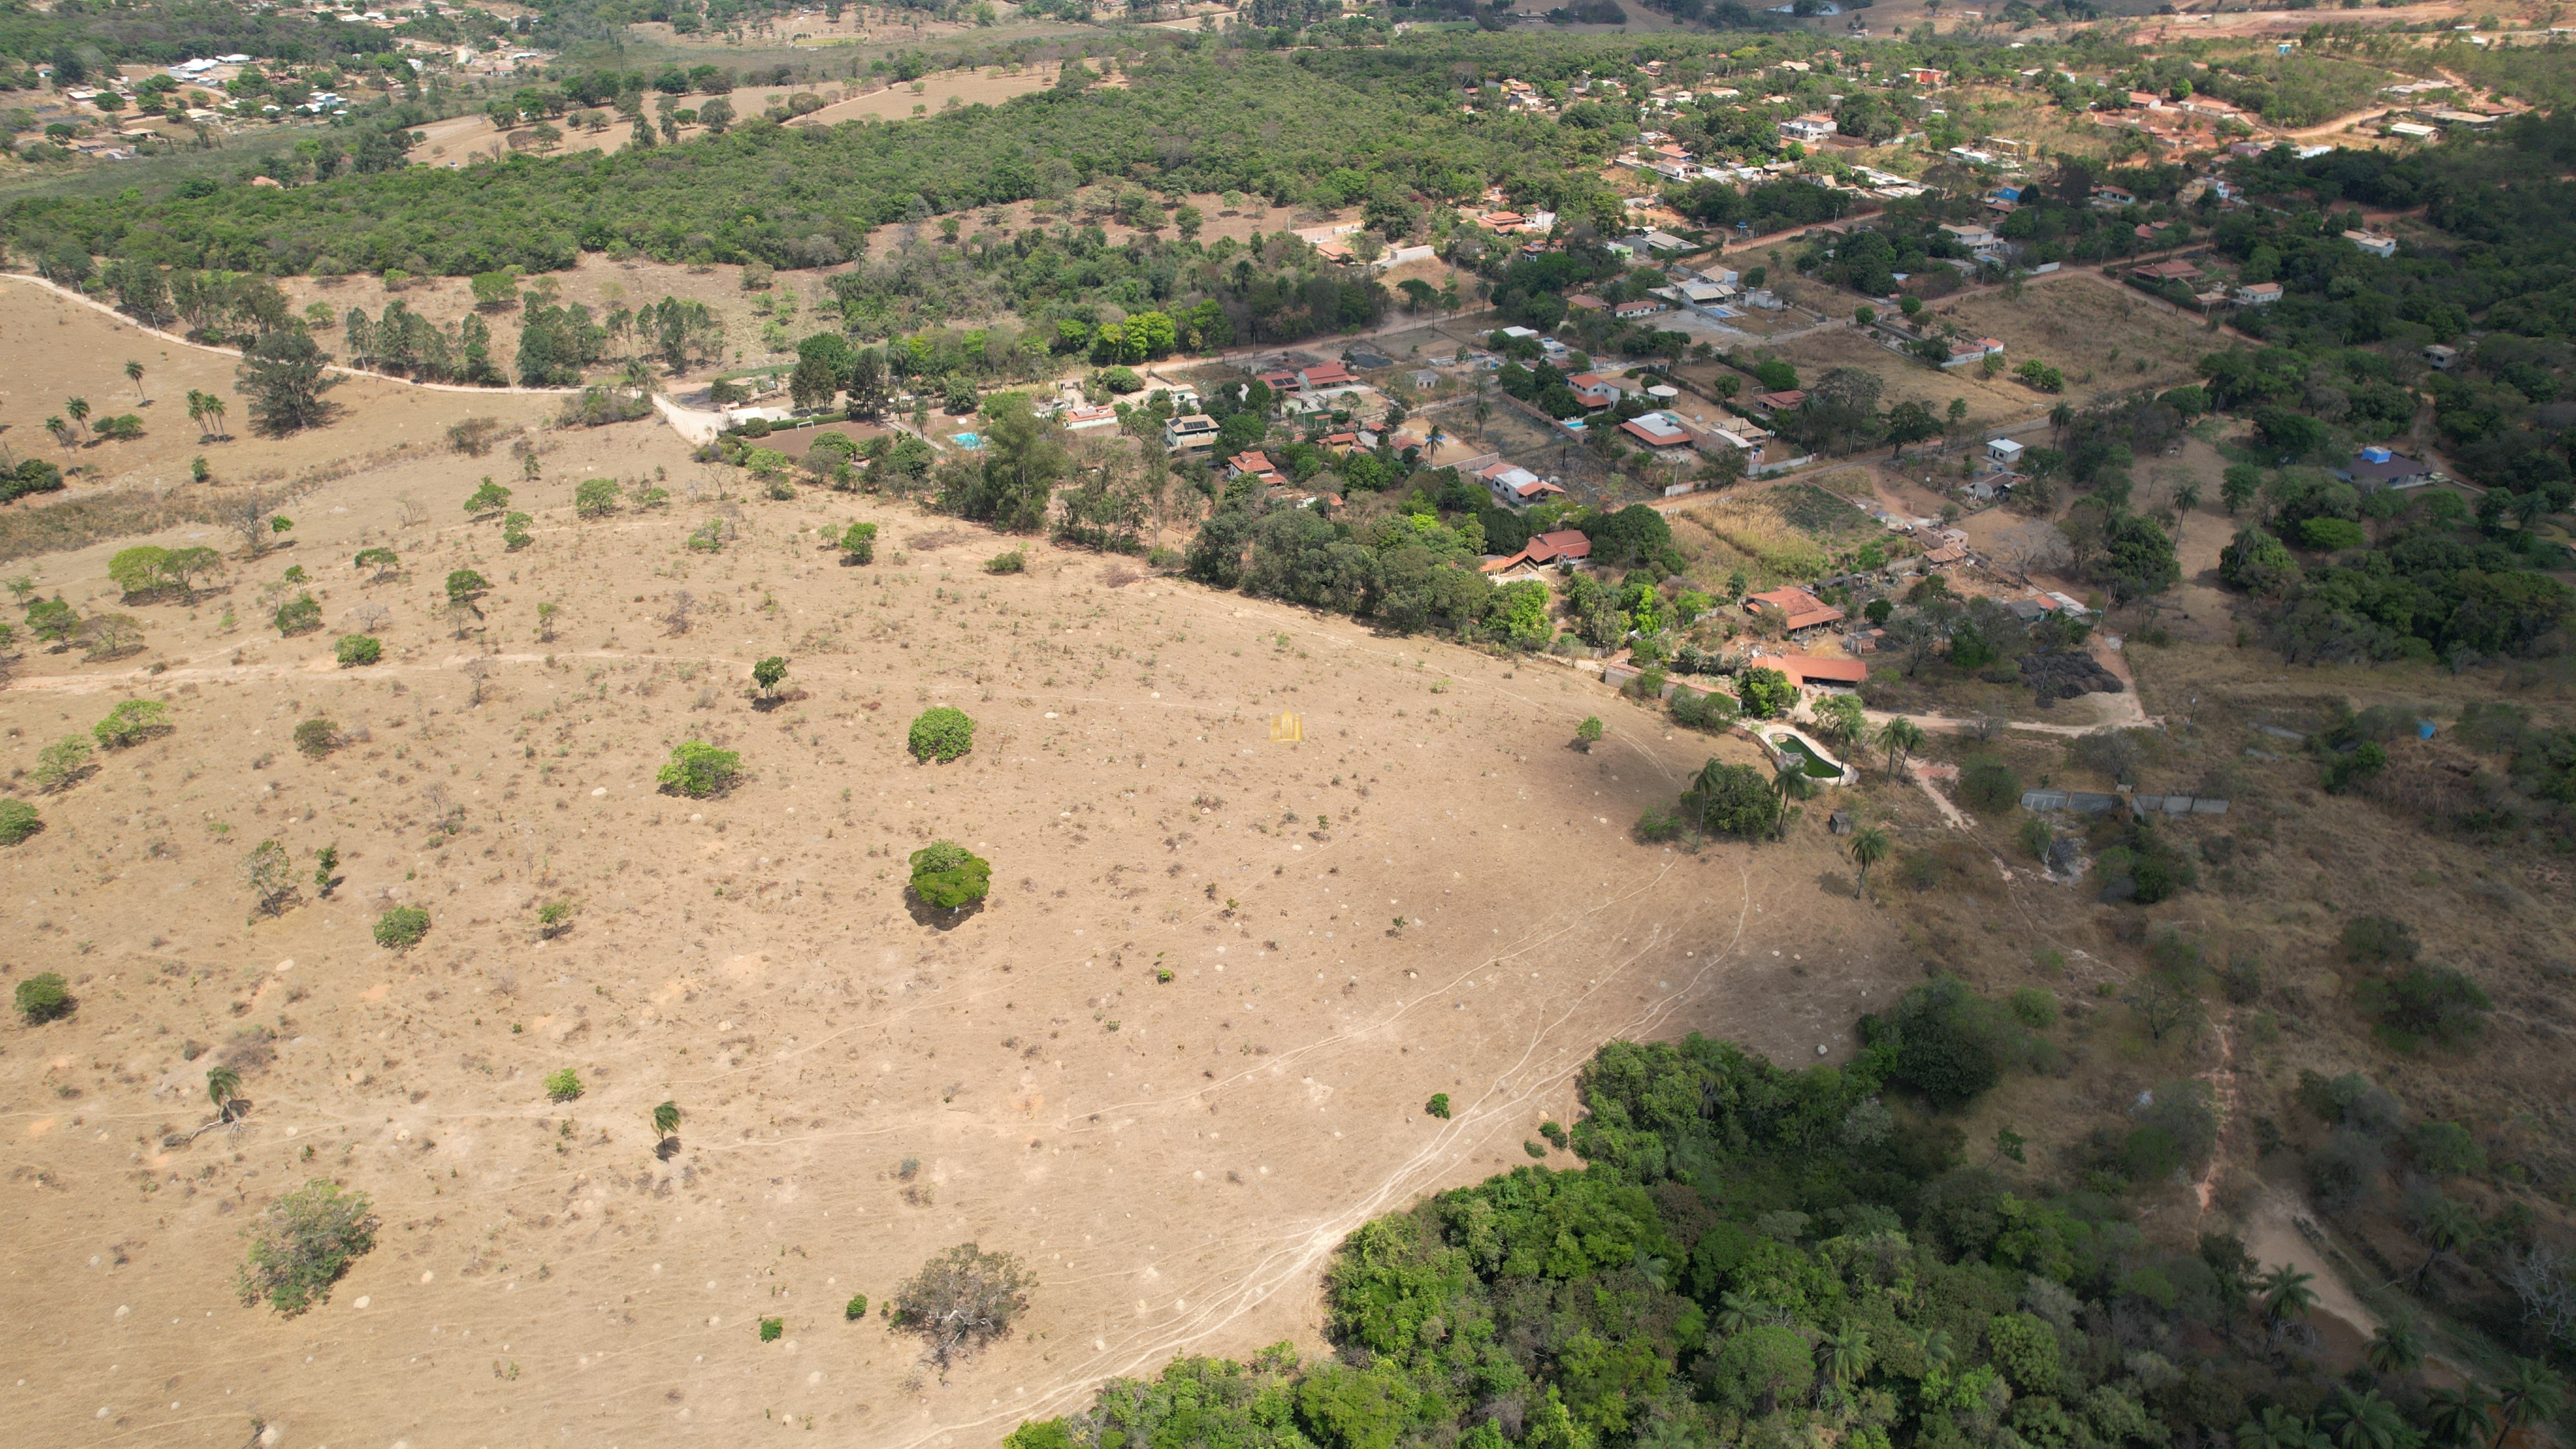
pixel 1174 1160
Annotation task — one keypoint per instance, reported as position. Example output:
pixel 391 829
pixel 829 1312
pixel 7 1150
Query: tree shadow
pixel 939 918
pixel 666 1149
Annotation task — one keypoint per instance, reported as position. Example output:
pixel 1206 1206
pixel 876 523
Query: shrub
pixel 708 537
pixel 562 1086
pixel 2377 939
pixel 299 615
pixel 401 928
pixel 698 769
pixel 61 763
pixel 303 1243
pixel 2036 837
pixel 1658 824
pixel 1438 1106
pixel 317 737
pixel 595 497
pixel 2242 981
pixel 1730 800
pixel 129 722
pixel 2445 1149
pixel 514 531
pixel 948 876
pixel 859 543
pixel 770 1328
pixel 2034 1007
pixel 1990 785
pixel 2427 1003
pixel 855 1309
pixel 961 1300
pixel 356 650
pixel 942 733
pixel 1012 562
pixel 18 820
pixel 43 997
pixel 1588 733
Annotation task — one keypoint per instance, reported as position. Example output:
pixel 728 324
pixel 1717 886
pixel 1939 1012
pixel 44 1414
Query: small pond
pixel 1817 766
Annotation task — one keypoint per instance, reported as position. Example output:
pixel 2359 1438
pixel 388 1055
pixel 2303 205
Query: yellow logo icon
pixel 1287 729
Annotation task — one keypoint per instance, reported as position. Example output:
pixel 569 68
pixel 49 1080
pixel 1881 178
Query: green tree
pixel 1588 733
pixel 129 722
pixel 2287 1293
pixel 18 821
pixel 465 585
pixel 767 673
pixel 42 998
pixel 284 375
pixel 490 498
pixel 270 874
pixel 859 543
pixel 1900 737
pixel 697 769
pixel 948 876
pixel 595 497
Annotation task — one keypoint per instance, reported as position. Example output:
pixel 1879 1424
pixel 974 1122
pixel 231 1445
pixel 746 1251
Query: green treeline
pixel 1761 1257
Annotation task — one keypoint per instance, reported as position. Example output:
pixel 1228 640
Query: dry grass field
pixel 862 1088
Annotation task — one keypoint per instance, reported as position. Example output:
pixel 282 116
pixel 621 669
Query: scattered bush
pixel 317 737
pixel 562 1086
pixel 401 928
pixel 2426 1003
pixel 855 1309
pixel 1438 1106
pixel 18 820
pixel 43 997
pixel 61 763
pixel 859 543
pixel 708 537
pixel 130 722
pixel 770 1328
pixel 1012 562
pixel 698 769
pixel 962 1300
pixel 357 650
pixel 2034 1007
pixel 1588 733
pixel 299 615
pixel 948 876
pixel 303 1243
pixel 595 497
pixel 514 532
pixel 942 733
pixel 2370 940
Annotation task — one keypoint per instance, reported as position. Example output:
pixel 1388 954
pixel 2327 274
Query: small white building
pixel 2373 243
pixel 2004 453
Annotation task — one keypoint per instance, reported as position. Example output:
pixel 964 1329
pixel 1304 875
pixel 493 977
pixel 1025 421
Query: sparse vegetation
pixel 356 651
pixel 299 615
pixel 18 821
pixel 131 722
pixel 316 737
pixel 562 1085
pixel 1438 1106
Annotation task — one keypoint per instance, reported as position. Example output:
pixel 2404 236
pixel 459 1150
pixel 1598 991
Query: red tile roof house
pixel 1642 307
pixel 1331 374
pixel 1584 302
pixel 1779 402
pixel 1659 430
pixel 1807 669
pixel 1804 609
pixel 1563 546
pixel 1596 389
pixel 1253 464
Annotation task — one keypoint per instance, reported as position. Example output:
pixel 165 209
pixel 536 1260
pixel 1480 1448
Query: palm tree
pixel 222 1085
pixel 1936 1348
pixel 1869 846
pixel 2279 1429
pixel 2396 1349
pixel 197 412
pixel 2366 1421
pixel 666 1119
pixel 1845 1356
pixel 2286 1293
pixel 79 409
pixel 2532 1391
pixel 1900 737
pixel 1787 783
pixel 134 375
pixel 2447 1227
pixel 61 430
pixel 1737 1312
pixel 215 410
pixel 2460 1418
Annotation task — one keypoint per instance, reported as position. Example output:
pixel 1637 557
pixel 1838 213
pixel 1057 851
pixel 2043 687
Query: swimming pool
pixel 1817 766
pixel 967 440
